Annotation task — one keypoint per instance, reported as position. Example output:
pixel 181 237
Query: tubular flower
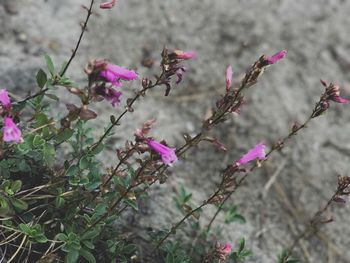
pixel 5 99
pixel 112 96
pixel 258 152
pixel 229 73
pixel 11 132
pixel 185 54
pixel 276 57
pixel 333 94
pixel 114 74
pixel 167 154
pixel 108 5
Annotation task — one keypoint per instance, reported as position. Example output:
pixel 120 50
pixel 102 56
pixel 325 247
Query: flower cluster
pixel 171 65
pixel 167 154
pixel 10 130
pixel 101 73
pixel 332 93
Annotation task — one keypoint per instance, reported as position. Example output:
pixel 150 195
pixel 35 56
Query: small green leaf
pixel 59 202
pixel 62 237
pixel 49 154
pixel 19 204
pixel 41 239
pixel 64 135
pixel 49 64
pixel 87 255
pixel 24 228
pixel 38 141
pixel 84 163
pixel 91 234
pixel 41 78
pixel 73 170
pixel 132 203
pixel 16 186
pixel 72 256
pixel 4 206
pixel 64 64
pixel 52 96
pixel 98 149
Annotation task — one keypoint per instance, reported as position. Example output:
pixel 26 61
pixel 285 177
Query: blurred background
pixel 222 32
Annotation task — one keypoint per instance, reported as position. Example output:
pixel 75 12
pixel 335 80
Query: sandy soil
pixel 316 35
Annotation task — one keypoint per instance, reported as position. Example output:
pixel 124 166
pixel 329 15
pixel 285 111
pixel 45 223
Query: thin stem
pixel 239 183
pixel 42 92
pixel 312 226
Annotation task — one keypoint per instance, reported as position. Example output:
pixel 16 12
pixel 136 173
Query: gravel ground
pixel 222 32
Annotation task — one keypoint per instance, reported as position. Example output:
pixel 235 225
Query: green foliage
pixel 174 253
pixel 232 216
pixel 285 257
pixel 182 198
pixel 241 253
pixel 35 232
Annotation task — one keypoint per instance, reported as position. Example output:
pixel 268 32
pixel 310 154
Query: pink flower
pixel 258 152
pixel 229 73
pixel 11 131
pixel 339 99
pixel 227 249
pixel 276 57
pixel 114 74
pixel 112 96
pixel 185 54
pixel 108 5
pixel 167 154
pixel 5 99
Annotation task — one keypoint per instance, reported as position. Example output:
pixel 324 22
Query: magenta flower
pixel 258 152
pixel 11 131
pixel 339 99
pixel 276 57
pixel 114 74
pixel 112 96
pixel 227 249
pixel 185 54
pixel 108 5
pixel 229 73
pixel 167 154
pixel 5 99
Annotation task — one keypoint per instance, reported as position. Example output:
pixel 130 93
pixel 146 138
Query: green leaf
pixel 241 244
pixel 98 149
pixel 129 249
pixel 91 234
pixel 4 206
pixel 87 255
pixel 52 96
pixel 88 244
pixel 64 135
pixel 73 170
pixel 49 154
pixel 19 204
pixel 62 237
pixel 49 64
pixel 132 203
pixel 41 239
pixel 24 228
pixel 59 202
pixel 41 78
pixel 16 186
pixel 72 256
pixel 38 141
pixel 84 163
